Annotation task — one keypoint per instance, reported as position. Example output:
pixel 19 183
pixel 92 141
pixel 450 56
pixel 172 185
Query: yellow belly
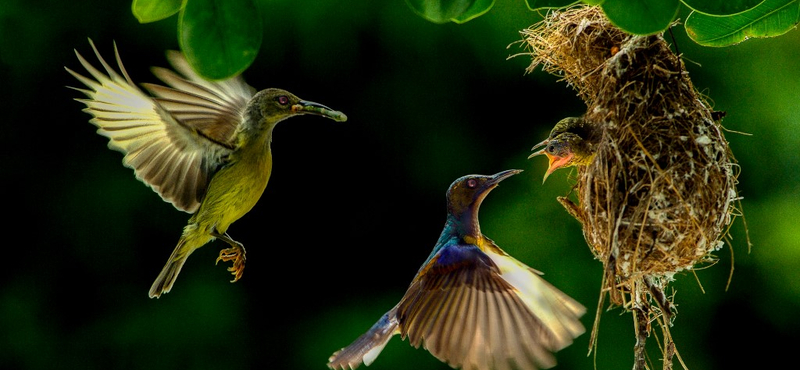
pixel 233 191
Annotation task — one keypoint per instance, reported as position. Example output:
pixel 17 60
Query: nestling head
pixel 565 150
pixel 567 145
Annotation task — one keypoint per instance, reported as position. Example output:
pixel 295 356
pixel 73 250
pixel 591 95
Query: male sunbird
pixel 203 146
pixel 471 304
pixel 570 143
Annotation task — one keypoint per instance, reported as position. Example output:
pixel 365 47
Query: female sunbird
pixel 570 143
pixel 472 305
pixel 203 146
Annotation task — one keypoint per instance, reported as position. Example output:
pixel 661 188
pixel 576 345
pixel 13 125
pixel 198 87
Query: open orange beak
pixel 554 163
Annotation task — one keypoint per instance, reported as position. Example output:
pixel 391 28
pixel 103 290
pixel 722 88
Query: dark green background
pixel 354 208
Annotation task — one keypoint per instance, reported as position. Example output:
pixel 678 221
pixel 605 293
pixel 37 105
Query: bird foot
pixel 237 255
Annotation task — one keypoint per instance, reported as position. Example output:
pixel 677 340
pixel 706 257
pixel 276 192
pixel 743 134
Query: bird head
pixel 275 105
pixel 560 151
pixel 575 125
pixel 567 145
pixel 465 195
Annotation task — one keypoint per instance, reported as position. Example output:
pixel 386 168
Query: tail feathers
pixel 169 273
pixel 368 346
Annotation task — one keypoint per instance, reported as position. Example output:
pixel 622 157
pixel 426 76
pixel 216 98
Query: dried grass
pixel 660 194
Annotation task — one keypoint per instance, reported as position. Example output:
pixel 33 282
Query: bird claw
pixel 237 255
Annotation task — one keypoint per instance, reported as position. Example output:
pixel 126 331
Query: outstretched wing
pixel 462 309
pixel 176 158
pixel 214 108
pixel 558 312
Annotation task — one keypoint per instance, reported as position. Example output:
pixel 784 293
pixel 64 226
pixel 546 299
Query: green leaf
pixel 443 11
pixel 147 11
pixel 549 4
pixel 220 38
pixel 641 17
pixel 770 18
pixel 721 7
pixel 593 2
pixel 478 8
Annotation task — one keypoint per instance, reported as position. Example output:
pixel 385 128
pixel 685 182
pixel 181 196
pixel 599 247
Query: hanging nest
pixel 659 195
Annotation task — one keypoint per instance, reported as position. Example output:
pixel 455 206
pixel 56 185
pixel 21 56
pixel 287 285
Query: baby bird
pixel 471 304
pixel 571 143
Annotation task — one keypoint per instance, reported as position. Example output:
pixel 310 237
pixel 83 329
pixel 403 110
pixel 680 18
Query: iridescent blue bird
pixel 471 304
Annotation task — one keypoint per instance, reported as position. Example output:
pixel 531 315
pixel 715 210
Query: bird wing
pixel 214 108
pixel 558 312
pixel 462 309
pixel 176 159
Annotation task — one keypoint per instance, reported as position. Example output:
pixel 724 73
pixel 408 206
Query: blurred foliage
pixel 721 7
pixel 221 38
pixel 147 11
pixel 457 11
pixel 711 22
pixel 642 17
pixel 427 103
pixel 770 18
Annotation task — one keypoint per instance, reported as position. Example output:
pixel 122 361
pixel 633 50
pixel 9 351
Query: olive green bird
pixel 570 143
pixel 471 304
pixel 203 146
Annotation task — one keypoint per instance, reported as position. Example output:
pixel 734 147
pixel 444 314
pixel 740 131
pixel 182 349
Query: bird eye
pixel 282 100
pixel 551 148
pixel 471 183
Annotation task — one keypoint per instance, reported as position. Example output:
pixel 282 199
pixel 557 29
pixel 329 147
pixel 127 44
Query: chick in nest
pixel 571 143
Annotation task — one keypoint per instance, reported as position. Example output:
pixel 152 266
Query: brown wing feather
pixel 467 315
pixel 214 108
pixel 172 158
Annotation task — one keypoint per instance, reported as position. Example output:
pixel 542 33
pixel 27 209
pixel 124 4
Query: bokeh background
pixel 354 208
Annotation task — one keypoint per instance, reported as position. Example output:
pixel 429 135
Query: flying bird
pixel 203 146
pixel 471 304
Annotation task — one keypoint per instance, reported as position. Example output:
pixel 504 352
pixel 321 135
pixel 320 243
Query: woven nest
pixel 658 196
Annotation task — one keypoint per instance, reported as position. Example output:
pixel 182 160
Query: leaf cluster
pixel 715 23
pixel 221 38
pixel 710 23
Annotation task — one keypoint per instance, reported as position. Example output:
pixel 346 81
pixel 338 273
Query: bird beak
pixel 539 152
pixel 543 143
pixel 305 106
pixel 490 184
pixel 551 158
pixel 500 176
pixel 555 163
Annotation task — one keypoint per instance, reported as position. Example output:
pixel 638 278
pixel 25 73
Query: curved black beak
pixel 500 176
pixel 541 151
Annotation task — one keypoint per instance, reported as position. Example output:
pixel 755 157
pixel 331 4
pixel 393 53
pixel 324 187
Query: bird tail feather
pixel 186 245
pixel 368 346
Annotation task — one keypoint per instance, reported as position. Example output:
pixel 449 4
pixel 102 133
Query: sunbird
pixel 471 304
pixel 570 143
pixel 203 146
